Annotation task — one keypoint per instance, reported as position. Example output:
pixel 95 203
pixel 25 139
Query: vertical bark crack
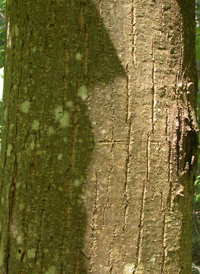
pixel 72 160
pixel 133 24
pixel 42 264
pixel 24 229
pixel 107 193
pixel 148 155
pixel 169 175
pixel 140 234
pixel 178 138
pixel 128 121
pixel 85 52
pixel 94 226
pixel 111 259
pixel 3 168
pixel 77 249
pixel 41 227
pixel 153 89
pixel 11 209
pixel 164 246
pixel 70 172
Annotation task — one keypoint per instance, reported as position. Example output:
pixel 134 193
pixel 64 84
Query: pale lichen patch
pixel 11 126
pixel 51 130
pixel 65 139
pixel 168 219
pixel 51 270
pixel 153 259
pixel 77 183
pixel 129 268
pixel 31 253
pixel 70 104
pixel 16 30
pixel 60 188
pixel 21 207
pixel 18 184
pixel 79 56
pixel 19 239
pixel 41 152
pixel 65 120
pixel 62 117
pixel 35 124
pixel 25 106
pixel 34 49
pixel 60 156
pixel 32 145
pixel 82 92
pixel 9 149
pixel 58 112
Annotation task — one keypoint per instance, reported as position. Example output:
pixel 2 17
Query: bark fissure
pixel 94 225
pixel 12 192
pixel 128 111
pixel 148 156
pixel 77 249
pixel 24 229
pixel 140 234
pixel 74 131
pixel 111 259
pixel 126 185
pixel 41 227
pixel 24 224
pixel 107 193
pixel 153 88
pixel 133 30
pixel 167 124
pixel 178 138
pixel 169 195
pixel 85 52
pixel 163 246
pixel 3 167
pixel 42 264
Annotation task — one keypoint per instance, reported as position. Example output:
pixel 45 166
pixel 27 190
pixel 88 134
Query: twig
pixel 196 267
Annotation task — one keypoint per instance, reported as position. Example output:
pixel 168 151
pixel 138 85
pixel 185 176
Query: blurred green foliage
pixel 2 42
pixel 2 31
pixel 198 32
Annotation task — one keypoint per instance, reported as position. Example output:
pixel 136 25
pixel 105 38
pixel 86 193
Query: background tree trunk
pixel 99 137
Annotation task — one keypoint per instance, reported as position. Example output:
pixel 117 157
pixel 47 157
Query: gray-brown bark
pixel 99 137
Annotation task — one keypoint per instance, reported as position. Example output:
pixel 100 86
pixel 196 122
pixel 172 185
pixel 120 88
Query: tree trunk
pixel 99 137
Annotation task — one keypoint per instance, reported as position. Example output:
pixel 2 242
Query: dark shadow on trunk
pixel 74 53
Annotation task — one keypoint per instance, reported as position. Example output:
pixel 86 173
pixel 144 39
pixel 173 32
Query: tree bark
pixel 99 137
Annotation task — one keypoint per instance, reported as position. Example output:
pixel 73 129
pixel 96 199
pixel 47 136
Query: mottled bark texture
pixel 99 137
